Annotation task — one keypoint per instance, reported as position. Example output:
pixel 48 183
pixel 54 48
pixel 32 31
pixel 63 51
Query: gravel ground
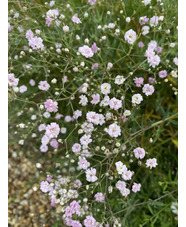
pixel 28 206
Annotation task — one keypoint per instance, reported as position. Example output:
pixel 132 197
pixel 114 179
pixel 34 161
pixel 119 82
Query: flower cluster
pixel 90 90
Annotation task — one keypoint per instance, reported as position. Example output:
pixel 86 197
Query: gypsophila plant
pixel 93 88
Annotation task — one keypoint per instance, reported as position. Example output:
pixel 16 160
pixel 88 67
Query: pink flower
pixel 115 103
pixel 75 19
pixel 25 48
pixel 95 66
pixel 90 222
pixel 12 81
pixel 149 53
pixel 154 21
pixel 48 21
pixel 114 130
pixel 141 44
pixel 10 27
pixel 86 51
pixel 77 184
pixel 29 34
pixel 151 80
pixel 139 153
pixel 99 197
pixel 76 147
pixel 74 206
pixel 52 130
pixel 175 60
pixel 68 211
pixel 51 106
pixel 44 86
pixel 76 224
pixel 49 178
pixel 138 81
pixel 151 162
pixel 158 49
pixel 92 2
pixel 120 185
pixel 36 43
pixel 83 163
pixel 94 48
pixel 136 187
pixel 44 186
pixel 58 116
pixel 163 74
pixel 54 143
pixel 148 89
pixel 91 175
pixel 95 99
pixel 68 221
pixel 143 20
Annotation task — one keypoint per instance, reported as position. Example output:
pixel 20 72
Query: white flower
pixel 66 28
pixel 137 99
pixel 109 65
pixel 161 18
pixel 174 73
pixel 119 80
pixel 172 45
pixel 115 103
pixel 77 114
pixel 105 88
pixel 52 3
pixel 114 130
pixel 145 30
pixel 174 208
pixel 146 2
pixel 130 36
pixel 105 101
pixel 125 192
pixel 83 100
pixel 151 162
pixel 154 61
pixel 127 175
pixel 128 19
pixel 120 167
pixel 111 25
pixel 91 175
pixel 85 140
pixel 127 113
pixel 63 130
